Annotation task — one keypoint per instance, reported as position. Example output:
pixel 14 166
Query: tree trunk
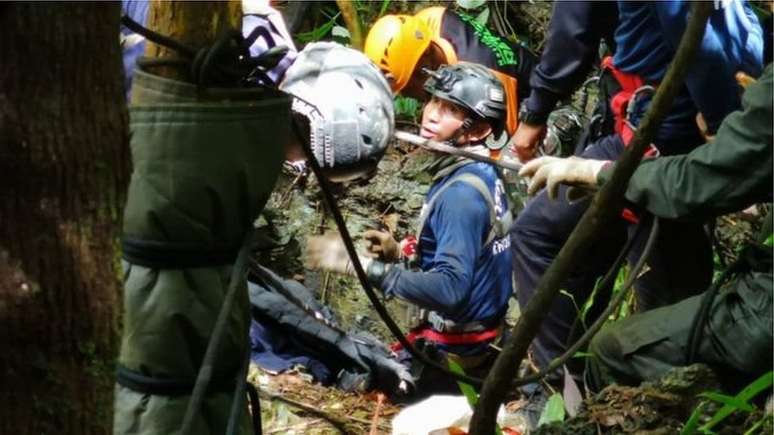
pixel 193 23
pixel 352 21
pixel 64 159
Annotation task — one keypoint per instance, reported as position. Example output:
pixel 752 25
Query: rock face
pixel 391 199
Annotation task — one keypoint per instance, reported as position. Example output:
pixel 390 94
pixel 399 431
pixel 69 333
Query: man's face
pixel 441 119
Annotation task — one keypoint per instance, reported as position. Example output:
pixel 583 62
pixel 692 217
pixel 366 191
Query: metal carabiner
pixel 630 106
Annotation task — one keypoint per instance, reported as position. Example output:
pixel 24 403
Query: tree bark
pixel 193 23
pixel 604 207
pixel 352 21
pixel 64 159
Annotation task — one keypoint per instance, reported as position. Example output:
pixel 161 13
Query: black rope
pixel 239 397
pixel 597 325
pixel 219 333
pixel 157 38
pixel 227 62
pixel 255 406
pixel 700 319
pixel 609 279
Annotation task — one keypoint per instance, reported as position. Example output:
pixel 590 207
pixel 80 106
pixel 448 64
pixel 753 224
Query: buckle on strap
pixel 440 324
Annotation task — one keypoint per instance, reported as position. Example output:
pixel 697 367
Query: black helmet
pixel 473 87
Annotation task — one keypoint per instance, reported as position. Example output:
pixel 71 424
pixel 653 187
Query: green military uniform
pixel 732 172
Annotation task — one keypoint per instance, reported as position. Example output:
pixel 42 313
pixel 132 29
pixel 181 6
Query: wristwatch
pixel 532 118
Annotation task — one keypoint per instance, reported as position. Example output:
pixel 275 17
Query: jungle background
pixel 64 188
pixel 392 200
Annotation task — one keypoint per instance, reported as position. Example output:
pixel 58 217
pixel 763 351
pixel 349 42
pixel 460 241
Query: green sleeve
pixel 728 174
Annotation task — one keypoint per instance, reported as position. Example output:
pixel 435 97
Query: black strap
pixel 255 408
pixel 163 386
pixel 753 258
pixel 167 255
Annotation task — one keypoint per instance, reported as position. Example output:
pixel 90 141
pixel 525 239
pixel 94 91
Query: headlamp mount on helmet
pixel 476 89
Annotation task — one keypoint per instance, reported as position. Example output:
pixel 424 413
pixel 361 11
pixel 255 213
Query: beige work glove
pixel 327 252
pixel 382 245
pixel 553 171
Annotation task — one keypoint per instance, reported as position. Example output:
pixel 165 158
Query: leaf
pixel 754 428
pixel 750 391
pixel 727 400
pixel 341 32
pixel 383 9
pixel 483 17
pixel 319 32
pixel 554 410
pixel 470 4
pixel 466 389
pixel 406 106
pixel 583 355
pixel 693 420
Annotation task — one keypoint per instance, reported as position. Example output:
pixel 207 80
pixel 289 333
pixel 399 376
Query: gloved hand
pixel 382 245
pixel 552 171
pixel 327 252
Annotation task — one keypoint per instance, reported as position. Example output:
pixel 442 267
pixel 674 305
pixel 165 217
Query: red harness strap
pixel 619 102
pixel 449 339
pixel 630 84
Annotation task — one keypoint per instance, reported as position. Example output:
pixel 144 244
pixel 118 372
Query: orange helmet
pixel 396 43
pixel 380 37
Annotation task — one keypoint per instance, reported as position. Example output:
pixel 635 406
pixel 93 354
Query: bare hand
pixel 327 252
pixel 526 139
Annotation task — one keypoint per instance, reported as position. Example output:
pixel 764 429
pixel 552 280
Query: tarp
pixel 205 162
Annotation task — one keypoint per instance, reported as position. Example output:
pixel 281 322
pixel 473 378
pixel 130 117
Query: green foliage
pixel 406 107
pixel 554 410
pixel 728 401
pixel 320 32
pixel 740 402
pixel 467 390
pixel 693 420
pixel 626 306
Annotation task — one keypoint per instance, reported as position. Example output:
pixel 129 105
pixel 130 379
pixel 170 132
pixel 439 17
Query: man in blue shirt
pixel 646 38
pixel 464 279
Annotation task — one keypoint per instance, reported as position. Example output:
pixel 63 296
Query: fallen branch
pixel 603 209
pixel 440 147
pixel 337 422
pixel 302 425
pixel 377 411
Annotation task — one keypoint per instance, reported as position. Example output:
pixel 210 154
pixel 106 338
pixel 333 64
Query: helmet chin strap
pixel 467 123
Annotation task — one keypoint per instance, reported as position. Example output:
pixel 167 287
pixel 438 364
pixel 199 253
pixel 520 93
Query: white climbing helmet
pixel 348 104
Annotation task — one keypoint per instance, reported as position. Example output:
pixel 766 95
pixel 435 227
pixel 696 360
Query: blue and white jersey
pixel 461 278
